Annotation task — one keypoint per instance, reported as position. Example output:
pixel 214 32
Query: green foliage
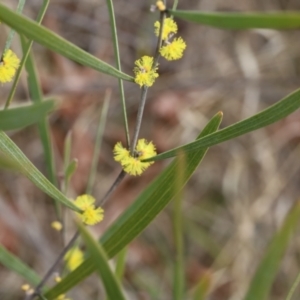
pixel 165 187
pixel 9 148
pixel 100 259
pixel 36 95
pixel 140 214
pixel 23 116
pixel 266 117
pixel 13 263
pixel 268 267
pixel 239 21
pixel 52 41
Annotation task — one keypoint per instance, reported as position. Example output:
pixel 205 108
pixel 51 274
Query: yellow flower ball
pixel 8 66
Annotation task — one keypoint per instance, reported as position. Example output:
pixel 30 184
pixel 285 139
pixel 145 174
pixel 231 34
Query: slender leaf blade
pixel 233 20
pixel 140 214
pixel 9 148
pixel 8 164
pixel 36 96
pixel 54 42
pixel 23 116
pixel 272 114
pixel 268 267
pixel 100 259
pixel 113 27
pixel 13 263
pixel 120 263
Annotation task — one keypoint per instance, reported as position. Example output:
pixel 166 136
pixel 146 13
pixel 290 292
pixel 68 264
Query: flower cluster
pixel 170 28
pixel 145 72
pixel 133 165
pixel 90 215
pixel 171 49
pixel 8 66
pixel 73 258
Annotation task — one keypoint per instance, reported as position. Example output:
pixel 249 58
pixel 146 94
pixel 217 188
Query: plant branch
pixel 145 88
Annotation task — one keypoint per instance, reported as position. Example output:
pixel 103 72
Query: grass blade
pixel 228 20
pixel 9 148
pixel 113 27
pixel 202 288
pixel 140 214
pixel 13 263
pixel 26 50
pixel 52 41
pixel 179 276
pixel 43 126
pixel 20 117
pixel 268 268
pixel 100 259
pixel 12 32
pixel 120 264
pixel 99 135
pixel 8 164
pixel 293 288
pixel 266 117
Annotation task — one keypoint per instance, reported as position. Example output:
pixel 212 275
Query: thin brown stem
pixel 38 288
pixel 145 88
pixel 118 180
pixel 120 177
pixel 139 119
pixel 159 40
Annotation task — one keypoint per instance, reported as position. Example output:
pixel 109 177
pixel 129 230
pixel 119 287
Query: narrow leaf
pixel 36 96
pixel 266 117
pixel 71 168
pixel 13 263
pixel 121 262
pixel 23 116
pixel 8 163
pixel 202 288
pixel 140 214
pixel 268 268
pixel 52 41
pixel 26 51
pixel 233 20
pixel 177 220
pixel 113 27
pixel 98 142
pixel 100 260
pixel 9 148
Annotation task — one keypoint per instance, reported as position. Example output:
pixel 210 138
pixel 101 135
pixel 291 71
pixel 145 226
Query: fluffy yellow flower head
pixel 73 258
pixel 170 27
pixel 145 150
pixel 133 165
pixel 173 50
pixel 8 66
pixel 145 72
pixel 90 214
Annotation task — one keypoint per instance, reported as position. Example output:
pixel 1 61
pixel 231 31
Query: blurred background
pixel 237 198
